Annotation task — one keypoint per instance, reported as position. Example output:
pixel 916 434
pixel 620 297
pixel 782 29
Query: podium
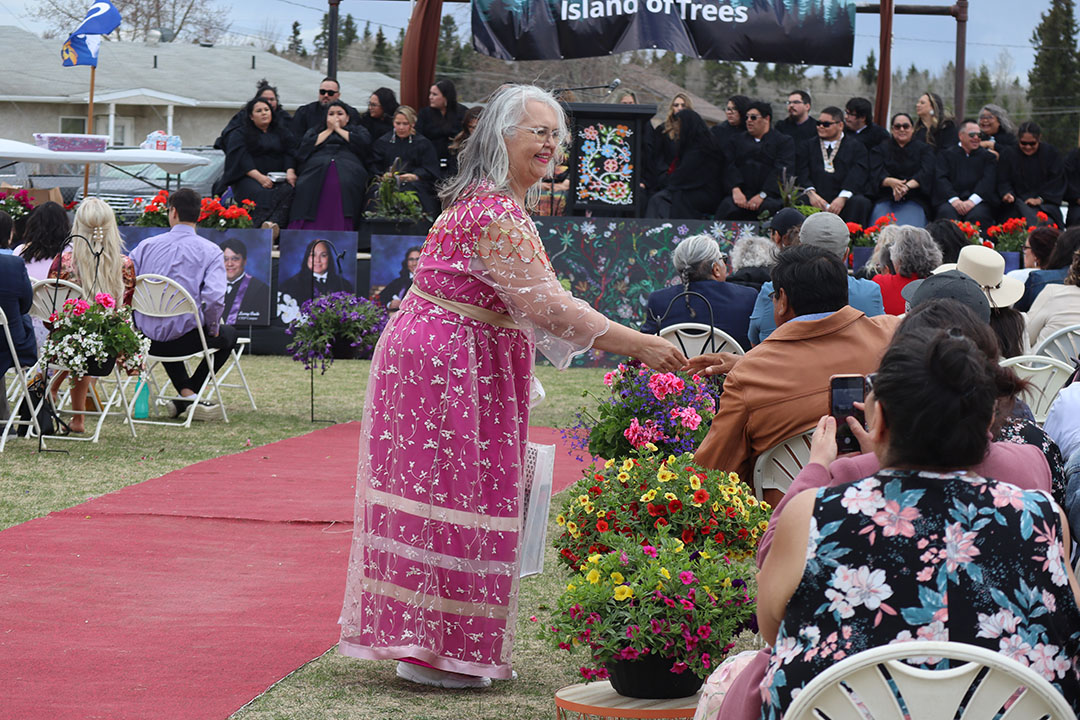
pixel 607 156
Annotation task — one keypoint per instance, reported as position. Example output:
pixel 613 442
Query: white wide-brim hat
pixel 986 266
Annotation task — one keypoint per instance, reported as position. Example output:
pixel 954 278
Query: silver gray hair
pixel 694 257
pixel 484 157
pixel 914 252
pixel 1002 116
pixel 753 251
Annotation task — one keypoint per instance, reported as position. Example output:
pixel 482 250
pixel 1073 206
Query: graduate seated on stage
pixel 759 159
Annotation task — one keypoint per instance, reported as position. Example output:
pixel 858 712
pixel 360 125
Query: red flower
pixel 659 522
pixel 701 496
pixel 675 505
pixel 595 490
pixel 854 228
pixel 1042 217
pixel 602 526
pixel 687 536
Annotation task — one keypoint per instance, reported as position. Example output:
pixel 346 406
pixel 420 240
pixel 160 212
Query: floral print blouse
pixel 905 555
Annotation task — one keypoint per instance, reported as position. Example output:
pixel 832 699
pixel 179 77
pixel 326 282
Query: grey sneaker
pixel 206 411
pixel 171 408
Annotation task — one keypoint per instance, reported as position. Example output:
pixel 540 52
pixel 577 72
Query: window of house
pixel 73 125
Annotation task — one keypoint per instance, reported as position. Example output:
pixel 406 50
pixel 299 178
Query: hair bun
pixel 955 362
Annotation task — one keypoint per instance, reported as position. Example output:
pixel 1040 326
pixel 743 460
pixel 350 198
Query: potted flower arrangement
pixel 337 325
pixel 863 239
pixel 654 618
pixel 670 410
pixel 392 202
pixel 971 230
pixel 15 203
pixel 639 495
pixel 214 215
pixel 1009 236
pixel 90 338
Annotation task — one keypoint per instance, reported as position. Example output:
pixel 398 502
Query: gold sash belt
pixel 470 311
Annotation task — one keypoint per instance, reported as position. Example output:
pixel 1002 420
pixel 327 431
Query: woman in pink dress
pixel 433 573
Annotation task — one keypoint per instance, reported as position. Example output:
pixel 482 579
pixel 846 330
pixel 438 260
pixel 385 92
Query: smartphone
pixel 844 392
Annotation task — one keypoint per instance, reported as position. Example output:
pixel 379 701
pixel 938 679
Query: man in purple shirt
pixel 197 265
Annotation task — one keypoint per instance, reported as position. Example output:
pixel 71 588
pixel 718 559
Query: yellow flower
pixel 609 464
pixel 763 525
pixel 570 587
pixel 595 559
pixel 716 507
pixel 733 477
pixel 651 447
pixel 575 642
pixel 572 527
pixel 665 573
pixel 617 578
pixel 751 501
pixel 679 546
pixel 765 505
pixel 583 499
pixel 704 556
pixel 670 496
pixel 600 514
pixel 623 592
pixel 670 460
pixel 695 482
pixel 589 507
pixel 659 585
pixel 627 465
pixel 560 520
pixel 623 477
pixel 648 497
pixel 726 583
pixel 594 576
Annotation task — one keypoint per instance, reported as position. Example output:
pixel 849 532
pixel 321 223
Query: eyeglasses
pixel 1029 143
pixel 542 134
pixel 324 91
pixel 795 102
pixel 373 104
pixel 827 123
pixel 973 134
pixel 753 117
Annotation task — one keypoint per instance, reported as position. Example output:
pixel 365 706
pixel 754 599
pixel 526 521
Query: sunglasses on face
pixel 753 117
pixel 972 134
pixel 901 126
pixel 324 91
pixel 1029 143
pixel 827 123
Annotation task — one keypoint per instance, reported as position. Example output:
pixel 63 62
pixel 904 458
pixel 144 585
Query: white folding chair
pixel 22 389
pixel 695 339
pixel 1064 345
pixel 777 467
pixel 877 684
pixel 159 296
pixel 233 363
pixel 1047 377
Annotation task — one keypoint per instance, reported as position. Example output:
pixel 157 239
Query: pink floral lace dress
pixel 434 565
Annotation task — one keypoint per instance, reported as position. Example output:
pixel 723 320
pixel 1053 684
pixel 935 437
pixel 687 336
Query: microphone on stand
pixel 614 84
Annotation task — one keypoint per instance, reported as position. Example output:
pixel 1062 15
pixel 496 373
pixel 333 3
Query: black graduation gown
pixel 947 136
pixel 416 155
pixel 314 115
pixel 1041 175
pixel 962 175
pixel 440 129
pixel 799 133
pixel 237 121
pixel 851 165
pixel 351 159
pixel 724 133
pixel 377 127
pixel 254 305
pixel 1072 186
pixel 914 161
pixel 248 149
pixel 1003 139
pixel 660 151
pixel 756 167
pixel 299 287
pixel 696 183
pixel 870 136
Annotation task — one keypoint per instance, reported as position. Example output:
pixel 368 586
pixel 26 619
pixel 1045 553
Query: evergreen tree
pixel 446 57
pixel 1054 79
pixel 347 34
pixel 296 45
pixel 367 32
pixel 980 91
pixel 321 43
pixel 382 54
pixel 868 72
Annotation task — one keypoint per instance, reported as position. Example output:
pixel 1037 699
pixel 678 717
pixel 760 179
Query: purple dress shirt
pixel 195 263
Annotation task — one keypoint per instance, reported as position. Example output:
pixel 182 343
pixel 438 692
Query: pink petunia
pixel 649 550
pixel 105 300
pixel 687 577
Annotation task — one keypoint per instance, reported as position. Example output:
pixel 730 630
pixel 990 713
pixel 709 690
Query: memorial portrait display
pixel 246 254
pixel 393 262
pixel 313 263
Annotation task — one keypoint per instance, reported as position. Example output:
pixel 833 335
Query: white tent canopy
pixel 12 151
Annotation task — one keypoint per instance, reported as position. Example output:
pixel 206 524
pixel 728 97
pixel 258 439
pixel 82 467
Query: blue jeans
pixel 907 212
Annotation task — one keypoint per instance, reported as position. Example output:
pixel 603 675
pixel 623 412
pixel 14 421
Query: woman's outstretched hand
pixel 659 354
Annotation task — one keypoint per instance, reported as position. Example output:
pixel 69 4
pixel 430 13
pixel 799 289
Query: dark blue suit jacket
pixel 16 297
pixel 731 308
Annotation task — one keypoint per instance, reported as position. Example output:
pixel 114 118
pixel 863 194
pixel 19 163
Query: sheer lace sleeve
pixel 516 265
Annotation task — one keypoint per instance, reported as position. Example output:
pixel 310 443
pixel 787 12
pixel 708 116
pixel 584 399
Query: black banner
pixel 811 32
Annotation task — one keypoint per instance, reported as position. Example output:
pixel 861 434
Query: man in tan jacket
pixel 780 388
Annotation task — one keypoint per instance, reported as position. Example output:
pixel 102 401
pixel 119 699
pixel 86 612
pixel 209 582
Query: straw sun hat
pixel 986 266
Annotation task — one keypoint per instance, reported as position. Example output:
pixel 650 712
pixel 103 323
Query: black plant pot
pixel 650 677
pixel 100 369
pixel 342 349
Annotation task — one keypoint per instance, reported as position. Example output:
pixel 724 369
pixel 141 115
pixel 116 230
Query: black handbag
pixel 48 420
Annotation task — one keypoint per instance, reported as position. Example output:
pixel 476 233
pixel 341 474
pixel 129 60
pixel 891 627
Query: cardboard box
pixel 38 196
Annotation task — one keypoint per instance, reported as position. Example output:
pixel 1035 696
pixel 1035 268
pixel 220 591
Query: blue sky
pixel 928 42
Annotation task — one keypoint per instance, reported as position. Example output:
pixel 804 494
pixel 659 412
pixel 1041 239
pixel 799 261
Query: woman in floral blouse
pixel 923 549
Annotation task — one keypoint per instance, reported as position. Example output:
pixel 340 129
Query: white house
pixel 185 89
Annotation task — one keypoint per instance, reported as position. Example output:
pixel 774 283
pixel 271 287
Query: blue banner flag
pixel 82 46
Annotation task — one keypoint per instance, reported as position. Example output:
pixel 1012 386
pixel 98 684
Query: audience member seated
pixel 247 298
pixel 929 405
pixel 266 91
pixel 996 129
pixel 627 97
pixel 735 122
pixel 701 269
pixel 859 123
pixel 392 295
pixel 311 115
pixel 949 237
pixel 1063 421
pixel 799 123
pixel 934 126
pixel 260 165
pixel 197 265
pixel 331 190
pixel 411 157
pixel 1021 465
pixel 1056 268
pixel 1031 178
pixel 964 183
pixel 902 170
pixel 694 182
pixel 16 297
pixel 379 118
pixel 760 158
pixel 1056 307
pixel 45 236
pixel 661 146
pixel 752 257
pixel 913 255
pixel 1037 250
pixel 442 119
pixel 780 387
pixel 834 170
pixel 828 232
pixel 97 264
pixel 468 127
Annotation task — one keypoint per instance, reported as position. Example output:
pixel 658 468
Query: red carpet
pixel 187 595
